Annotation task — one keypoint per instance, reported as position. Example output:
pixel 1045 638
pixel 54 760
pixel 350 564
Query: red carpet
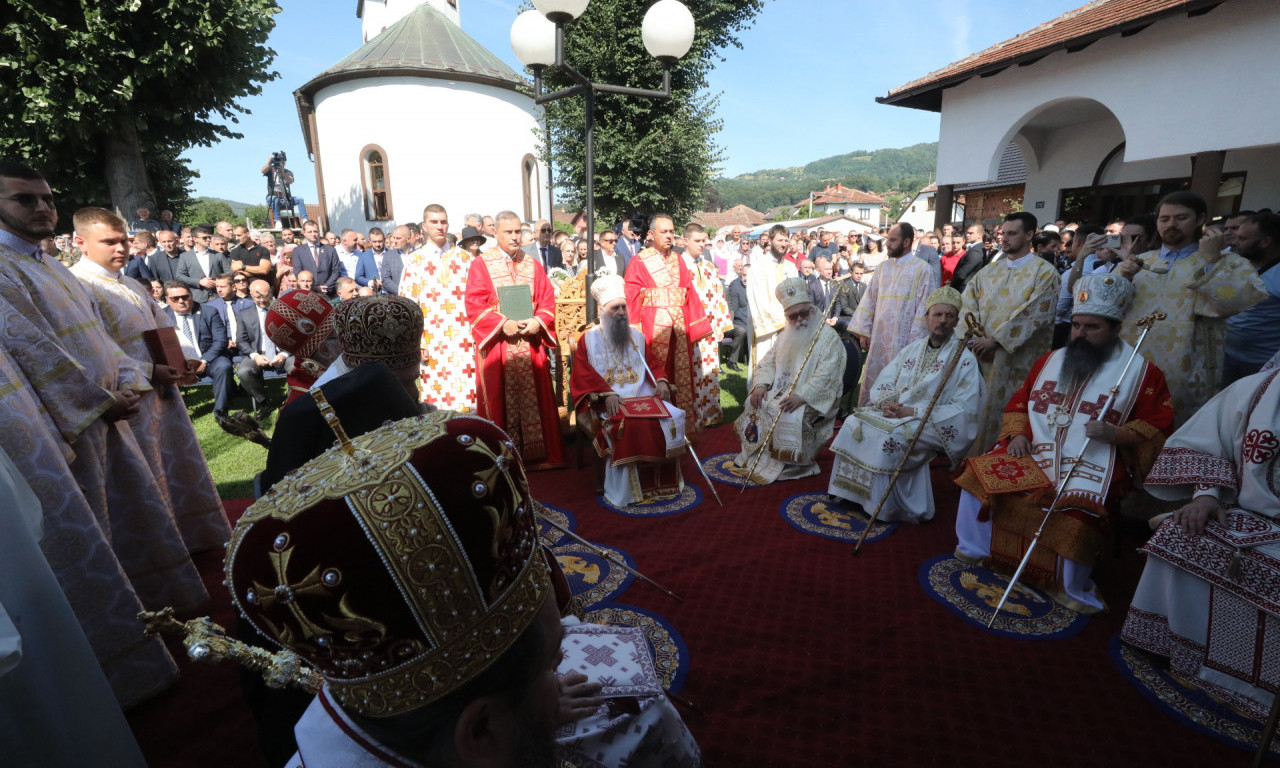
pixel 804 655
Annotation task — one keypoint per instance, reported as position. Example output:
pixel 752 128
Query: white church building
pixel 462 135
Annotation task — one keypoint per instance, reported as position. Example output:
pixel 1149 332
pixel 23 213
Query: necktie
pixel 188 332
pixel 544 256
pixel 268 347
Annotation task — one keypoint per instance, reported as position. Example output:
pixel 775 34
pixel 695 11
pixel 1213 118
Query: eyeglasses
pixel 28 200
pixel 608 239
pixel 239 280
pixel 187 297
pixel 545 229
pixel 793 316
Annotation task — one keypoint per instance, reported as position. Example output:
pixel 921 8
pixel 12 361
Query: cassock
pixel 662 296
pixel 869 445
pixel 1015 301
pixel 1208 602
pixel 513 379
pixel 801 433
pixel 767 316
pixel 706 386
pixel 1198 299
pixel 1052 415
pixel 437 280
pixel 163 427
pixel 892 314
pixel 643 452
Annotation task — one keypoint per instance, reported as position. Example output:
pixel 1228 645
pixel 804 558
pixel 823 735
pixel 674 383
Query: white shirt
pixel 186 324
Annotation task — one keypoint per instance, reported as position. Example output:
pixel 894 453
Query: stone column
pixel 1206 175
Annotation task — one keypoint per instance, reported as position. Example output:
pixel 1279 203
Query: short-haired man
pixel 740 311
pixel 144 221
pixel 763 279
pixel 870 443
pixel 706 280
pixel 825 247
pixel 1015 299
pixel 608 259
pixel 628 243
pixel 369 267
pixel 137 268
pixel 249 256
pixel 609 366
pixel 542 248
pixel 203 336
pixel 1198 286
pixel 259 352
pixel 348 288
pixel 1053 417
pixel 662 296
pixel 167 222
pixel 348 250
pixel 974 259
pixel 163 263
pixel 1253 336
pixel 796 385
pixel 513 373
pixel 320 259
pixel 198 267
pixel 892 313
pixel 306 281
pixel 227 304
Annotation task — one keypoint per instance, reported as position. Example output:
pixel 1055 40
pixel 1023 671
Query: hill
pixel 890 173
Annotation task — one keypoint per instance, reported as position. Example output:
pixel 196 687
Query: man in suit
pixel 929 255
pixel 369 267
pixel 197 268
pixel 975 257
pixel 203 338
pixel 260 354
pixel 740 335
pixel 320 259
pixel 821 287
pixel 163 263
pixel 628 243
pixel 227 304
pixel 857 287
pixel 541 248
pixel 608 255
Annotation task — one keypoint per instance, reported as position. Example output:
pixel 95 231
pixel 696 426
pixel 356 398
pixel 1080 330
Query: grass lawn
pixel 234 461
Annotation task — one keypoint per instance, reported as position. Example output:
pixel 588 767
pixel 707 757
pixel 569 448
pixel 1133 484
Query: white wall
pixel 919 216
pixel 1159 84
pixel 460 145
pixel 380 14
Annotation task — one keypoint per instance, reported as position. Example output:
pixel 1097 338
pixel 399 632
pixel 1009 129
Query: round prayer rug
pixel 972 592
pixel 689 498
pixel 718 468
pixel 1185 701
pixel 547 533
pixel 670 654
pixel 592 577
pixel 819 514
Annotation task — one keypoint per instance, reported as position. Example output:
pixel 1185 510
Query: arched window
pixel 376 181
pixel 532 189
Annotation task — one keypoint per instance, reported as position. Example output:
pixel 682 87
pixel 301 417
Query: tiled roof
pixel 1012 170
pixel 1072 31
pixel 842 194
pixel 738 215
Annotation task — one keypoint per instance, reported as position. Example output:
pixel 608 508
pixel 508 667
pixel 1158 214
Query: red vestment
pixel 513 380
pixel 662 296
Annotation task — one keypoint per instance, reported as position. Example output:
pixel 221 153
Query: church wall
pixel 454 143
pixel 1160 84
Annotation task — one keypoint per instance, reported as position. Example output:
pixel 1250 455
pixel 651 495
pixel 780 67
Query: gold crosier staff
pixel 1145 324
pixel 764 446
pixel 974 330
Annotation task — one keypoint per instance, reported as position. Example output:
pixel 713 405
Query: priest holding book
pixel 1052 422
pixel 635 425
pixel 512 309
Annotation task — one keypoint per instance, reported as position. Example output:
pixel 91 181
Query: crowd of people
pixel 1104 357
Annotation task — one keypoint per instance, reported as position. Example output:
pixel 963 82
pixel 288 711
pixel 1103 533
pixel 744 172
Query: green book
pixel 515 302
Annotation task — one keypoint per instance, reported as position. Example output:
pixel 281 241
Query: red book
pixel 650 407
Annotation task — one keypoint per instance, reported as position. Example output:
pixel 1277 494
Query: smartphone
pixel 1113 242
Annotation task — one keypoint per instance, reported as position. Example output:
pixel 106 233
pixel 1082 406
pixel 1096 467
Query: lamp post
pixel 537 38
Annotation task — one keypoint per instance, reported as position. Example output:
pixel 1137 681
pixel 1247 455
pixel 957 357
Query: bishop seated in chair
pixel 632 420
pixel 795 391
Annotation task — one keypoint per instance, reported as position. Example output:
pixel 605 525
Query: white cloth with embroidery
pixel 706 375
pixel 1204 601
pixel 892 314
pixel 869 445
pixel 767 317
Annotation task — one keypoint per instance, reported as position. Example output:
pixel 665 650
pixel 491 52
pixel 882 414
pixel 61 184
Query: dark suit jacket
pixel 736 294
pixel 191 269
pixel 162 267
pixel 820 294
pixel 968 266
pixel 392 266
pixel 554 258
pixel 216 304
pixel 137 269
pixel 619 263
pixel 628 249
pixel 325 266
pixel 847 295
pixel 211 332
pixel 248 334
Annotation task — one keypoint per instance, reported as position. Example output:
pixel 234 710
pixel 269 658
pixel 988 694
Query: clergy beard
pixel 617 331
pixel 793 343
pixel 1083 359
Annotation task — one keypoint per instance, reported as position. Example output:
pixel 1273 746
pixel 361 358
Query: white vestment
pixel 767 317
pixel 869 445
pixel 1211 602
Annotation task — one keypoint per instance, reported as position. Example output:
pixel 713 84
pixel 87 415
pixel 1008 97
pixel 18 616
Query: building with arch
pixel 1114 104
pixel 419 114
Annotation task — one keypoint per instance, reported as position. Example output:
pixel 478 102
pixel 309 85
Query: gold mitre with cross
pixel 399 565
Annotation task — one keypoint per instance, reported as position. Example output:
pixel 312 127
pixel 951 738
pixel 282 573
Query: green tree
pixel 257 214
pixel 649 155
pixel 103 97
pixel 206 211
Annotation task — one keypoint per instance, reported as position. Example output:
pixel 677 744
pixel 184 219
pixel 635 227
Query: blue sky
pixel 802 87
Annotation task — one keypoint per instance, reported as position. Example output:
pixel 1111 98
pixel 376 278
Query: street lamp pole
pixel 667 30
